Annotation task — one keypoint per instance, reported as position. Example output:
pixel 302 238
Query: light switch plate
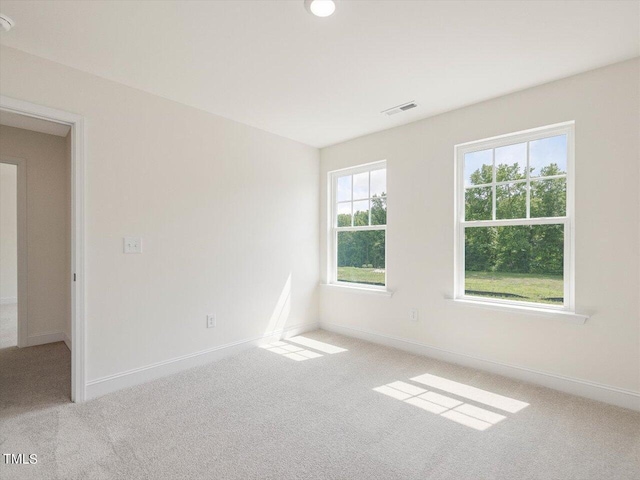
pixel 132 245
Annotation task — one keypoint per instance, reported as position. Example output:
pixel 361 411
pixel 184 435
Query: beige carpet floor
pixel 340 409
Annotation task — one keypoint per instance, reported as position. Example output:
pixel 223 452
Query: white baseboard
pixel 137 376
pixel 8 300
pixel 43 338
pixel 67 341
pixel 595 391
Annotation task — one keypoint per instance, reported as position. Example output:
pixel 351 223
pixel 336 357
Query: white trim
pixel 516 137
pixel 44 338
pixel 22 257
pixel 357 288
pixel 138 376
pixel 67 341
pixel 574 386
pixel 569 266
pixel 568 221
pixel 513 221
pixel 8 300
pixel 360 168
pixel 540 310
pixel 363 228
pixel 78 160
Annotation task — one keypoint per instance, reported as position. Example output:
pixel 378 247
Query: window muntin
pixel 514 219
pixel 358 226
pixel 506 177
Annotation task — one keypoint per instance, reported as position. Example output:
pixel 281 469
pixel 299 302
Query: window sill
pixel 562 315
pixel 357 289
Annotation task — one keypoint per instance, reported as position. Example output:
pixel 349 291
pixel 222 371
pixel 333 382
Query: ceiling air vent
pixel 400 108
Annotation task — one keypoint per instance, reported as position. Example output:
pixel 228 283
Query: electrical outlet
pixel 413 314
pixel 132 245
pixel 211 321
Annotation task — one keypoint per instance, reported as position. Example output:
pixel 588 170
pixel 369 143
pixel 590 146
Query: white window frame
pixel 332 267
pixel 566 128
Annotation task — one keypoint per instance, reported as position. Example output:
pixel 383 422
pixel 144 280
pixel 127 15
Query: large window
pixel 514 219
pixel 358 226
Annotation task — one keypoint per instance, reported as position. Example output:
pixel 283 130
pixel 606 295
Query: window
pixel 514 219
pixel 358 226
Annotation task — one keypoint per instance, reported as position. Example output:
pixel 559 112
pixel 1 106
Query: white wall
pixel 227 214
pixel 8 234
pixel 48 228
pixel 605 105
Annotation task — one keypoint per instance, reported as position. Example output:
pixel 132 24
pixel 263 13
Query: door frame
pixel 77 280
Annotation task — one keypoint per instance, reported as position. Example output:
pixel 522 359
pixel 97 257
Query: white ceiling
pixel 320 81
pixel 25 122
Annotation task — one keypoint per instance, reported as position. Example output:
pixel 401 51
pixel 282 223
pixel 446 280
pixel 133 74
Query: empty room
pixel 320 239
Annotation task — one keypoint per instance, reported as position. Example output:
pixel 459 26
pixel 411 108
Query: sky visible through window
pixel 361 185
pixel 542 153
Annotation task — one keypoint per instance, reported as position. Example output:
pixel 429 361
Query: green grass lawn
pixel 516 286
pixel 372 276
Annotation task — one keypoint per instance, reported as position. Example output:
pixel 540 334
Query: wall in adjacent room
pixel 8 234
pixel 48 230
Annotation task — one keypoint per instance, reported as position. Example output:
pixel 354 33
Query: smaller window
pixel 358 226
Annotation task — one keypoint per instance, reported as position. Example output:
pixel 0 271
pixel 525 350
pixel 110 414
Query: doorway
pixel 35 245
pixel 68 327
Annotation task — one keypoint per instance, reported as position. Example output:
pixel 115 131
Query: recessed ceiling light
pixel 320 8
pixel 5 22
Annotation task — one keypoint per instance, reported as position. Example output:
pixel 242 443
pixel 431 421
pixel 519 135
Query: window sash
pixel 567 261
pixel 566 220
pixel 528 180
pixel 511 222
pixel 351 202
pixel 508 182
pixel 334 269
